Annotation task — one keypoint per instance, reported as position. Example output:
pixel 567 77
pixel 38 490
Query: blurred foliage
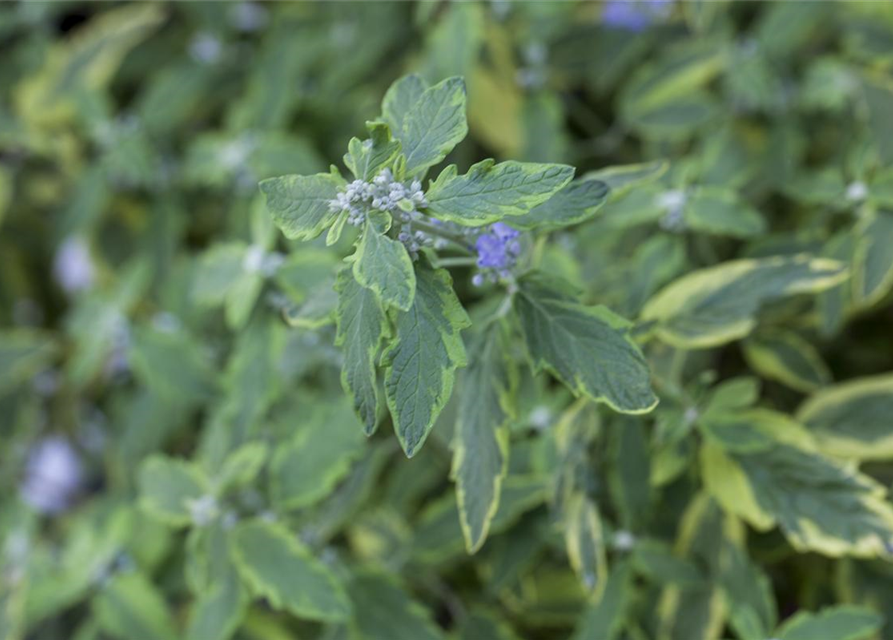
pixel 179 461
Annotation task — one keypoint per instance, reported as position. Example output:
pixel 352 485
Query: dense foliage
pixel 285 353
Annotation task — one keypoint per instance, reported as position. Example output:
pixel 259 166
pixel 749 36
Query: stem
pixel 443 234
pixel 458 261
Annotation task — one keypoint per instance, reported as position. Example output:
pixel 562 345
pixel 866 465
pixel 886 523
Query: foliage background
pixel 132 138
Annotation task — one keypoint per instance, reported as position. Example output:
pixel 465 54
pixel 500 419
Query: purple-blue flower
pixel 634 15
pixel 498 248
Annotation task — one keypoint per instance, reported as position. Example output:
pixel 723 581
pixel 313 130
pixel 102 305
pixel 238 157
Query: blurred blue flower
pixel 52 476
pixel 634 15
pixel 498 249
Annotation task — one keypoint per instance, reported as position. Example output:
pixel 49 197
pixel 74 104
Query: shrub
pixel 629 380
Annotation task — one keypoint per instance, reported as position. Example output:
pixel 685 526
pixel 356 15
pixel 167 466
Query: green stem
pixel 438 232
pixel 458 261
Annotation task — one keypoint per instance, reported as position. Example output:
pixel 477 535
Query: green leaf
pixel 490 191
pixel 753 613
pixel 480 625
pixel 129 607
pixel 421 361
pixel 300 204
pixel 383 265
pixel 698 612
pixel 628 471
pixel 23 353
pixel 433 125
pixel 242 466
pixel 769 474
pixel 86 62
pixel 365 158
pixel 480 444
pixel 577 202
pixel 712 306
pixel 167 488
pixel 217 269
pixel 786 357
pixel 622 178
pixel 656 561
pixel 438 533
pixel 878 92
pixel 362 326
pixel 586 545
pixel 384 611
pixel 843 622
pixel 852 419
pixel 400 98
pixel 172 365
pixel 873 260
pixel 605 620
pixel 720 211
pixel 284 571
pixel 587 348
pixel 305 469
pixel 679 73
pixel 221 599
pixel 218 611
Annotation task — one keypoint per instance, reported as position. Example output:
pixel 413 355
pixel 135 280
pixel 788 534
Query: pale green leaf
pixel 242 466
pixel 361 327
pixel 605 620
pixel 438 533
pixel 217 269
pixel 819 504
pixel 586 545
pixel 218 611
pixel 753 613
pixel 300 204
pixel 852 419
pixel 622 178
pixel 720 211
pixel 87 61
pixel 172 364
pixel 383 265
pixel 286 573
pixel 168 487
pixel 843 622
pixel 130 607
pixel 384 611
pixel 873 259
pixel 577 202
pixel 787 358
pixel 490 191
pixel 400 98
pixel 480 444
pixel 719 304
pixel 587 348
pixel 421 361
pixel 221 598
pixel 365 158
pixel 433 125
pixel 305 469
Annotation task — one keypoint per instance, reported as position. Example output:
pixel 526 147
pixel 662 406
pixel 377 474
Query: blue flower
pixel 498 249
pixel 634 15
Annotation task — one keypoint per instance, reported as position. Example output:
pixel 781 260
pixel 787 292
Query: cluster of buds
pixel 498 249
pixel 382 193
